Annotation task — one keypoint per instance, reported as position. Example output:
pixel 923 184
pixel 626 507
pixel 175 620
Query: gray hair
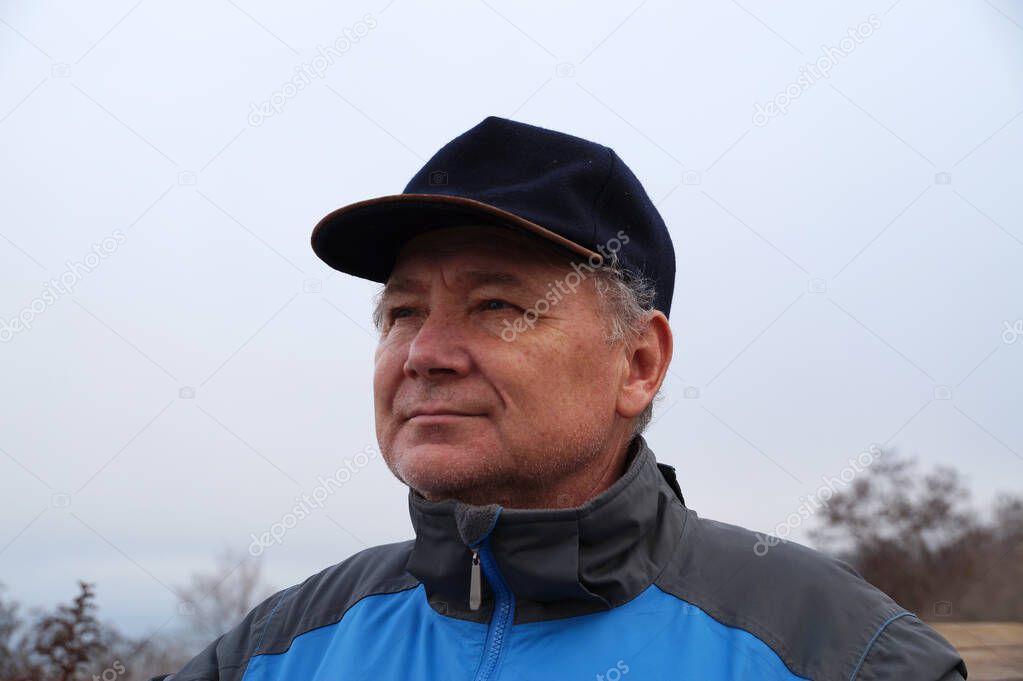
pixel 628 300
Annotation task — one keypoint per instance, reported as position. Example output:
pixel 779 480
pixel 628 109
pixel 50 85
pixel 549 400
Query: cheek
pixel 552 382
pixel 387 372
pixel 590 376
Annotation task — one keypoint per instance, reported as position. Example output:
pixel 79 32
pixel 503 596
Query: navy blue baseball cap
pixel 573 192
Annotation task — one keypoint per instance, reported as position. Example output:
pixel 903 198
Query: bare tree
pixel 916 537
pixel 997 592
pixel 220 599
pixel 137 658
pixel 65 643
pixel 71 644
pixel 14 663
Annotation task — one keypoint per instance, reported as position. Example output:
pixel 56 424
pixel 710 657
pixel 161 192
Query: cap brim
pixel 363 239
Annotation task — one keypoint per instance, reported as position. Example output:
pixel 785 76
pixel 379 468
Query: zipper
pixel 475 588
pixel 504 608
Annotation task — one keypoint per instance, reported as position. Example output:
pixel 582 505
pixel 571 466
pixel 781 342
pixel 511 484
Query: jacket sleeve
pixel 906 648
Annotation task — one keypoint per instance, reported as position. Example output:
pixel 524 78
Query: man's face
pixel 464 412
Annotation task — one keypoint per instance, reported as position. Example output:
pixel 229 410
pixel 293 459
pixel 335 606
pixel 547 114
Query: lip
pixel 440 418
pixel 439 413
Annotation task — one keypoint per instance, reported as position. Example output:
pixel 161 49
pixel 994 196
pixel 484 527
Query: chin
pixel 441 469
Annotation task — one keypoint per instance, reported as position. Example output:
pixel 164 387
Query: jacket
pixel 632 585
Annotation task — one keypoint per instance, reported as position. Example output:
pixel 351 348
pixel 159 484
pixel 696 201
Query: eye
pixel 400 312
pixel 496 304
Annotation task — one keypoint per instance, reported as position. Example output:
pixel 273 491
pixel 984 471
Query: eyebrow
pixel 401 285
pixel 473 278
pixel 480 278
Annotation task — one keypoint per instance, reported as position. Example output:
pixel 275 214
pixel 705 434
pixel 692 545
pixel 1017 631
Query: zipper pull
pixel 475 595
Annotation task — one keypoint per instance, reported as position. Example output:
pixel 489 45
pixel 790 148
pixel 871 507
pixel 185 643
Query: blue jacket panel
pixel 398 636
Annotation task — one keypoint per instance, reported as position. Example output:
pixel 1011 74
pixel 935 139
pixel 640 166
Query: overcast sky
pixel 850 253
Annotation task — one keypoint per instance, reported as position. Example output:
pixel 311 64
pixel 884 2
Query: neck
pixel 564 561
pixel 573 489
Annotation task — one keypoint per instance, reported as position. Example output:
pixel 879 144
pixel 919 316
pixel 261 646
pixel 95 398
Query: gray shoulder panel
pixel 909 649
pixel 320 600
pixel 819 616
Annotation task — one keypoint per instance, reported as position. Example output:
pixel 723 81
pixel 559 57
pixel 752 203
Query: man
pixel 523 338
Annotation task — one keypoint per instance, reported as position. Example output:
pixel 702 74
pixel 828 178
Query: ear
pixel 648 359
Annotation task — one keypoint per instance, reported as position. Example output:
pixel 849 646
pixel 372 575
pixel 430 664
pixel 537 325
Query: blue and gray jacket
pixel 632 585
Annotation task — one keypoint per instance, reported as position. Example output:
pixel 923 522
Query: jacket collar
pixel 564 561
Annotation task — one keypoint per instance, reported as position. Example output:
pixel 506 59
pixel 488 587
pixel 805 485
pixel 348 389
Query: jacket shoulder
pixel 814 611
pixel 322 599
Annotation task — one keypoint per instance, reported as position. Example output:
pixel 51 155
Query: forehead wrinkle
pixel 401 284
pixel 470 280
pixel 479 278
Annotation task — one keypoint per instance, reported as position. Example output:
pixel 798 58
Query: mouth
pixel 439 414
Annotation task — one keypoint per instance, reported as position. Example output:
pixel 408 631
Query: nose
pixel 438 350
